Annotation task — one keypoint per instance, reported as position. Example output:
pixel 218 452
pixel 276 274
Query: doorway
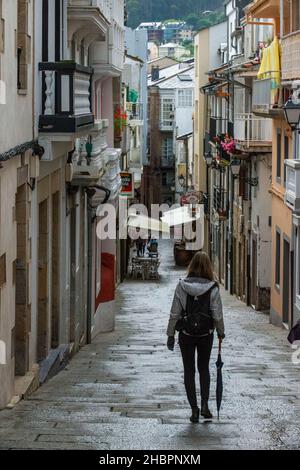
pixel 22 319
pixel 72 331
pixel 254 274
pixel 55 307
pixel 43 327
pixel 286 283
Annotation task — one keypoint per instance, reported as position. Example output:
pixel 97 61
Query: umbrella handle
pixel 220 345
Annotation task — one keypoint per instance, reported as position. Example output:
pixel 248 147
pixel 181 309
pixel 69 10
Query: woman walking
pixel 196 312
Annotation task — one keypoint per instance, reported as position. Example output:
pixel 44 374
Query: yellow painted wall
pixel 281 217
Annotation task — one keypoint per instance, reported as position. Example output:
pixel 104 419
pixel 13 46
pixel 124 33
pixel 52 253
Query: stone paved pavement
pixel 125 391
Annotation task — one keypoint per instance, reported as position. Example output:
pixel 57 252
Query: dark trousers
pixel 188 346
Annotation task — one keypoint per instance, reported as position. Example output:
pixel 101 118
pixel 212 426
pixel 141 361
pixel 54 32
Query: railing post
pixel 49 92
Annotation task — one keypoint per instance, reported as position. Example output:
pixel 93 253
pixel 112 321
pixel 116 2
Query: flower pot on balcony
pixel 222 214
pixel 222 94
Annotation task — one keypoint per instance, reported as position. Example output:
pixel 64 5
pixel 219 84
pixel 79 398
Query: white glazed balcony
pixel 89 18
pixel 107 57
pixel 292 195
pixel 104 6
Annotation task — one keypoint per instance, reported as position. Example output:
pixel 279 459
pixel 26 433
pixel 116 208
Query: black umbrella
pixel 294 334
pixel 219 392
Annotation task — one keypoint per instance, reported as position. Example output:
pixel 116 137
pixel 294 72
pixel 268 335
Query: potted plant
pixel 120 121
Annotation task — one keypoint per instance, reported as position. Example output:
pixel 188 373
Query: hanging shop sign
pixel 191 197
pixel 127 184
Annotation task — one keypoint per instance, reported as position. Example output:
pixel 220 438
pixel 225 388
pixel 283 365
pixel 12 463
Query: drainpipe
pixel 90 192
pixel 231 254
pixel 186 144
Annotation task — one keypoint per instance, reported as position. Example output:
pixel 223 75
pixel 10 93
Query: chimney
pixel 154 73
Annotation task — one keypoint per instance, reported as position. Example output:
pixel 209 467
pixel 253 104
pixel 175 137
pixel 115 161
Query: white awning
pixel 182 215
pixel 146 223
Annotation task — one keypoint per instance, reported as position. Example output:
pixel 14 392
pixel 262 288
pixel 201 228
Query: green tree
pixel 160 10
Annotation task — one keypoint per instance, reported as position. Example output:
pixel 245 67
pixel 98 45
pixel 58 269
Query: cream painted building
pixel 59 162
pixel 210 44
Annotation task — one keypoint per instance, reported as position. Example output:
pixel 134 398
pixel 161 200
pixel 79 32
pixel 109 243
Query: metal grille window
pixel 185 98
pixel 219 200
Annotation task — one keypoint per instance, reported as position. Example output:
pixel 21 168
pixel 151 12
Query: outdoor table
pixel 147 268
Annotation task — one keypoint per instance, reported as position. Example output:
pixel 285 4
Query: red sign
pixel 127 184
pixel 190 198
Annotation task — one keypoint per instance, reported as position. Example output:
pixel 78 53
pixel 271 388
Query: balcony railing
pixel 167 125
pixel 292 195
pixel 135 111
pixel 265 99
pixel 217 125
pixel 126 138
pixel 88 166
pixel 252 130
pixel 168 162
pixel 219 200
pixel 290 57
pixel 66 97
pixel 135 160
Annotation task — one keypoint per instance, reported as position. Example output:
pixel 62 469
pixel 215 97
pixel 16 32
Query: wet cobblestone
pixel 125 391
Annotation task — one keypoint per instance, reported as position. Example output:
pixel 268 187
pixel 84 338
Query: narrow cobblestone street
pixel 125 391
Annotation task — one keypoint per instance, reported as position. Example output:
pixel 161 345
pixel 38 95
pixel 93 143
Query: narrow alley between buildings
pixel 125 391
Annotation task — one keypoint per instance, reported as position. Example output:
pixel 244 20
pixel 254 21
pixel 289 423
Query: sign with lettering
pixel 127 188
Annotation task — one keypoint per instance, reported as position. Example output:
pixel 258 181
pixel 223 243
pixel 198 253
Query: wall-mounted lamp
pixel 181 180
pixel 292 114
pixel 208 157
pixel 236 169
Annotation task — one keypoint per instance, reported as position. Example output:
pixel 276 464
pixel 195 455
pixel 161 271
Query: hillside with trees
pixel 197 13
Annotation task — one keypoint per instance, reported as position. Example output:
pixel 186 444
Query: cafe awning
pixel 182 215
pixel 146 223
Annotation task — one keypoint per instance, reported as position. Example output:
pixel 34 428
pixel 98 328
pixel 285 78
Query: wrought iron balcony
pixel 217 125
pixel 292 195
pixel 219 201
pixel 66 97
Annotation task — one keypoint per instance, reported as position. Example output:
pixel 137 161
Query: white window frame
pixel 167 108
pixel 185 98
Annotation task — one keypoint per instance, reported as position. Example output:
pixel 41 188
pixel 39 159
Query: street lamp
pixel 208 158
pixel 181 180
pixel 235 167
pixel 292 113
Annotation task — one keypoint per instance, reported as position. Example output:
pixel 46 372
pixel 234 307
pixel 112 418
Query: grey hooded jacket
pixel 195 287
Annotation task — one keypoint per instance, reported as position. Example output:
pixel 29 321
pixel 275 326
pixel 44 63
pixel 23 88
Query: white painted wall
pixel 16 120
pixel 261 207
pixel 184 115
pixel 217 36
